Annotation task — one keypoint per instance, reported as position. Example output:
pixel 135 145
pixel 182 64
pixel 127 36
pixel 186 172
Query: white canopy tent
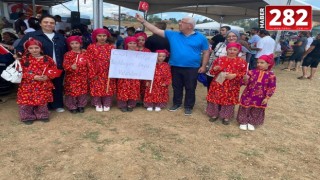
pixel 216 26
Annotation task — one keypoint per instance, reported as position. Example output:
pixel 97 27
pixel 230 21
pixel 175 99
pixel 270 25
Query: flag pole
pixel 151 86
pixel 108 82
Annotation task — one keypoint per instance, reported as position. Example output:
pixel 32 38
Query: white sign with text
pixel 132 64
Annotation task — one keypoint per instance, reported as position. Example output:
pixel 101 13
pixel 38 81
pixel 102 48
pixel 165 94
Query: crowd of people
pixel 229 61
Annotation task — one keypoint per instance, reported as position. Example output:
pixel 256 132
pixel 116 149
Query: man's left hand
pixel 202 69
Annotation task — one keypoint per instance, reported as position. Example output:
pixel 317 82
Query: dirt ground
pixel 167 145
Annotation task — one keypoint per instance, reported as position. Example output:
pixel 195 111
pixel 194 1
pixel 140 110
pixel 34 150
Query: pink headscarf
pixel 31 41
pixel 234 44
pixel 129 39
pixel 73 38
pixel 163 51
pixel 268 59
pixel 99 31
pixel 141 34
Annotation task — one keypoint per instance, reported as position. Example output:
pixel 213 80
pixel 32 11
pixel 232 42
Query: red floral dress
pixel 32 92
pixel 228 92
pixel 99 63
pixel 76 81
pixel 143 82
pixel 128 89
pixel 159 93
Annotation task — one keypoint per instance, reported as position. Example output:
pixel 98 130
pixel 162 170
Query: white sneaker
pixel 99 109
pixel 149 109
pixel 251 127
pixel 106 108
pixel 157 109
pixel 59 110
pixel 243 127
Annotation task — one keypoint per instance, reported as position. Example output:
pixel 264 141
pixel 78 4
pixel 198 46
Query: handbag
pixel 13 72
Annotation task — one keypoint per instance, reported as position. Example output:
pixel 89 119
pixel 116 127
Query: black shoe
pixel 80 109
pixel 187 111
pixel 130 109
pixel 74 111
pixel 225 122
pixel 123 109
pixel 174 108
pixel 28 122
pixel 212 119
pixel 45 120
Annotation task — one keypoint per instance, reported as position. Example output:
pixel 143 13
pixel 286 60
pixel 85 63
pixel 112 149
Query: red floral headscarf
pixel 268 59
pixel 141 34
pixel 129 39
pixel 99 31
pixel 236 45
pixel 30 42
pixel 163 51
pixel 74 38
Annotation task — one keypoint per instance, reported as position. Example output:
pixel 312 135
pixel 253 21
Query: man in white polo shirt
pixel 265 45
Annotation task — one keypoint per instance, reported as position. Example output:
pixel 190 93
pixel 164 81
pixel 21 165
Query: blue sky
pixel 86 9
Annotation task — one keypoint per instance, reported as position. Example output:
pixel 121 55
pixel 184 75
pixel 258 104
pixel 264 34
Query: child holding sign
pixel 224 90
pixel 261 84
pixel 35 89
pixel 141 40
pixel 157 92
pixel 128 90
pixel 76 80
pixel 101 87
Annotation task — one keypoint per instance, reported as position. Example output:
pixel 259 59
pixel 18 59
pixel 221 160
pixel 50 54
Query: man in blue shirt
pixel 186 62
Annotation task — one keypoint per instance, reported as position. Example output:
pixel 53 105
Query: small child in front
pixel 159 95
pixel 76 80
pixel 224 90
pixel 35 89
pixel 261 85
pixel 128 90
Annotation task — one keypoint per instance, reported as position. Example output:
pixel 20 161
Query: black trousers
pixel 184 78
pixel 57 93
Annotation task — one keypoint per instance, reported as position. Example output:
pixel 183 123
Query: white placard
pixel 132 64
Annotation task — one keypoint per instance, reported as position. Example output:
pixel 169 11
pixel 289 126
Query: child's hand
pixel 246 77
pixel 147 84
pixel 74 66
pixel 216 68
pixel 163 84
pixel 44 77
pixel 37 78
pixel 230 76
pixel 265 101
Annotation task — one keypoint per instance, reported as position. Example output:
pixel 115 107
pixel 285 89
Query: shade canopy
pixel 220 13
pixel 156 6
pixel 244 8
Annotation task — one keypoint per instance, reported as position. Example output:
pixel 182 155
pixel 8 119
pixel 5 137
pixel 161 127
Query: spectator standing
pixel 253 44
pixel 19 24
pixel 220 37
pixel 155 42
pixel 298 50
pixel 54 45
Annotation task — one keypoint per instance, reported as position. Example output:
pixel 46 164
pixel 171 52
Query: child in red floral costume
pixel 224 90
pixel 159 95
pixel 128 90
pixel 35 89
pixel 98 54
pixel 76 79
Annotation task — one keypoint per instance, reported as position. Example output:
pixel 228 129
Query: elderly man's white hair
pixel 190 20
